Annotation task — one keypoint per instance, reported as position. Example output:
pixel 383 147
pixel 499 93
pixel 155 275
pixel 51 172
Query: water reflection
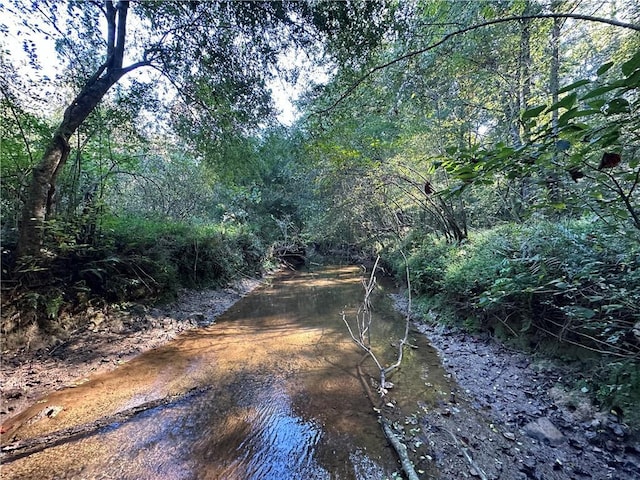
pixel 281 398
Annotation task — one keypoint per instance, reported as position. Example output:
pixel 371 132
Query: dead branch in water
pixel 363 323
pixel 21 448
pixel 363 340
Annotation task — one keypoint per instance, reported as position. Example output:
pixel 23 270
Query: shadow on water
pixel 282 399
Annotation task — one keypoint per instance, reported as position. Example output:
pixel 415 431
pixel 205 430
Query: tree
pixel 42 189
pixel 217 55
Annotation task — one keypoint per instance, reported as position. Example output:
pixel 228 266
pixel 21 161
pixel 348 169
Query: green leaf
pixel 574 113
pixel 632 64
pixel 617 105
pixel 597 104
pixel 599 91
pixel 632 81
pixel 566 102
pixel 582 312
pixel 574 85
pixel 604 68
pixel 533 112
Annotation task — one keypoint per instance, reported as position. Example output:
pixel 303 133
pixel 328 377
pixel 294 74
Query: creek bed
pixel 278 395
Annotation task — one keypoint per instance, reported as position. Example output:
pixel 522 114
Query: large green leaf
pixel 566 102
pixel 533 112
pixel 604 68
pixel 575 113
pixel 574 85
pixel 631 65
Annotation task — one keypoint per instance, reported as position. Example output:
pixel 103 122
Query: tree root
pixel 22 448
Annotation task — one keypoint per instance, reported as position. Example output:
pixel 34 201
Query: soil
pixel 514 417
pixel 511 415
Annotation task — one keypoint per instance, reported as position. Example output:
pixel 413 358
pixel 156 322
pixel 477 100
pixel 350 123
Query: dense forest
pixel 493 144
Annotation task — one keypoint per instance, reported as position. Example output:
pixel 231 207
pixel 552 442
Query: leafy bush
pixel 427 261
pixel 133 259
pixel 188 255
pixel 576 281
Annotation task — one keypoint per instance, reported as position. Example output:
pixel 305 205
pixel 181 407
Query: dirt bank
pixel 515 418
pixel 111 338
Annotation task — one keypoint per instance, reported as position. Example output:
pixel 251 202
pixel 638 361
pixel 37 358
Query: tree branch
pixel 121 33
pixel 111 29
pixel 462 31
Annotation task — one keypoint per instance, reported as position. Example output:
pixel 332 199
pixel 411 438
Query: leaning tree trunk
pixel 40 194
pixel 43 181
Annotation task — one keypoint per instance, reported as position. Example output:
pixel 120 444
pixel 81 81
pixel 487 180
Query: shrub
pixel 576 281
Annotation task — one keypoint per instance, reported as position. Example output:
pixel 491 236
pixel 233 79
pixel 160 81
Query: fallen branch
pixel 22 448
pixel 400 448
pixel 363 340
pixel 467 456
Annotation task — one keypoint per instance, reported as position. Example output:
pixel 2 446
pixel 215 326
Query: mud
pixel 111 338
pixel 513 416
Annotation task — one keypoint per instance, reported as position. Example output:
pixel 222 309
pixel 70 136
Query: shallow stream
pixel 275 395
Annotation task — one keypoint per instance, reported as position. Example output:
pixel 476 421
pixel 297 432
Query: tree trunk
pixel 42 188
pixel 41 191
pixel 39 196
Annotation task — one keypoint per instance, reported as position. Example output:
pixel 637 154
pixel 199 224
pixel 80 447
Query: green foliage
pixel 574 281
pixel 427 260
pixel 617 386
pixel 21 139
pixel 589 157
pixel 181 254
pixel 135 259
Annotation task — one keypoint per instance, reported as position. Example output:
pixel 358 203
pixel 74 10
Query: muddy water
pixel 276 396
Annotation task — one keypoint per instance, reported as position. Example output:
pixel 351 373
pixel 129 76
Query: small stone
pixel 545 431
pixel 509 436
pixel 617 429
pixel 53 411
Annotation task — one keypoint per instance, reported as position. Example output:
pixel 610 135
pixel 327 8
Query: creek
pixel 270 391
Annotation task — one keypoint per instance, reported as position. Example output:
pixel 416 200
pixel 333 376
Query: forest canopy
pixel 495 143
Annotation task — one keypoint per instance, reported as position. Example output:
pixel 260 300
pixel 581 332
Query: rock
pixel 197 317
pixel 13 394
pixel 53 411
pixel 528 467
pixel 618 430
pixel 509 436
pixel 545 431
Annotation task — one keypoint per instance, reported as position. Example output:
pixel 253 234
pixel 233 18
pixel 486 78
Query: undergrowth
pixel 132 259
pixel 573 283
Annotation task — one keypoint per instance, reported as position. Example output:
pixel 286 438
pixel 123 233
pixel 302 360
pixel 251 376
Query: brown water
pixel 277 396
